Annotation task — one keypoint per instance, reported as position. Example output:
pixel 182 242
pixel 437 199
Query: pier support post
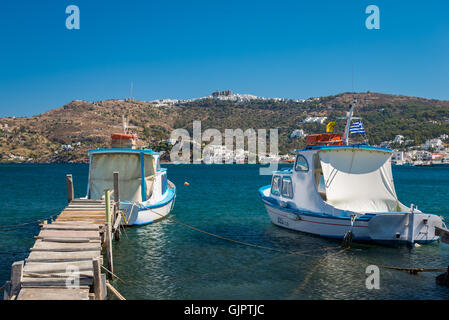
pixel 108 235
pixel 116 207
pixel 16 278
pixel 443 279
pixel 7 290
pixel 70 195
pixel 98 287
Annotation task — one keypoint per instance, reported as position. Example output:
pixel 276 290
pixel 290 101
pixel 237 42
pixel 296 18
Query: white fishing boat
pixel 345 191
pixel 146 195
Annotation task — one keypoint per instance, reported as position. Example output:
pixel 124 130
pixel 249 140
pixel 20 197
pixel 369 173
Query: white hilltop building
pixel 298 133
pixel 229 95
pixel 314 119
pixel 217 95
pixel 165 102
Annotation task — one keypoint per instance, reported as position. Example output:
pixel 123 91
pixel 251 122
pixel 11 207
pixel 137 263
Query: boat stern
pixel 404 227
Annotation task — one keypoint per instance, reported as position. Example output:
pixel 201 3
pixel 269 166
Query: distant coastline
pixel 66 134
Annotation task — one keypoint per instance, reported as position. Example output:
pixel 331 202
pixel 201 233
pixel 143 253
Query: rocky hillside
pixel 67 133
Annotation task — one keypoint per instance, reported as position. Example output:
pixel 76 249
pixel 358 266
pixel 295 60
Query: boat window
pixel 301 163
pixel 164 183
pixel 276 185
pixel 287 188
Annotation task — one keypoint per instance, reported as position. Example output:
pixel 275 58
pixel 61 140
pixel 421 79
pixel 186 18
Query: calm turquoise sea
pixel 168 261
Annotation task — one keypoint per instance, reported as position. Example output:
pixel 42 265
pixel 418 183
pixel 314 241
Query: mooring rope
pixel 249 265
pixel 414 270
pixel 237 241
pixel 114 275
pixel 27 223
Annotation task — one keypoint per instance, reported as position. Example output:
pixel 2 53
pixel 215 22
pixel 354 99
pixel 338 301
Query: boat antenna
pixel 125 126
pixel 353 78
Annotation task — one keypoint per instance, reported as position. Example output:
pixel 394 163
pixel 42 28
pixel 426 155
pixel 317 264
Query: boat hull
pixel 384 228
pixel 141 214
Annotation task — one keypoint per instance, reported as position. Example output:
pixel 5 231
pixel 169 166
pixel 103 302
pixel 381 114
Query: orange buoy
pixel 186 183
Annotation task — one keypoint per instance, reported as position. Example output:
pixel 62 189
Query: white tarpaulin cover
pixel 128 165
pixel 359 180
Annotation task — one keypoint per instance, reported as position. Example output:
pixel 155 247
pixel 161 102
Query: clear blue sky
pixel 187 49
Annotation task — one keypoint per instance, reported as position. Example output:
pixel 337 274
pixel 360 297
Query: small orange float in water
pixel 186 183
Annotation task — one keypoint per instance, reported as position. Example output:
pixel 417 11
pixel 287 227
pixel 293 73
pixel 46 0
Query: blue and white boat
pixel 340 190
pixel 146 195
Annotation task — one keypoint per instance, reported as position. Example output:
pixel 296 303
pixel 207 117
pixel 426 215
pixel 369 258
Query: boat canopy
pixel 359 179
pixel 132 165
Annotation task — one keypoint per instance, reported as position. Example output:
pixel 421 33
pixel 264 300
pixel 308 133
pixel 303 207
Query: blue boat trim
pixel 276 204
pixel 142 177
pixel 143 223
pixel 352 146
pixel 171 193
pixel 169 197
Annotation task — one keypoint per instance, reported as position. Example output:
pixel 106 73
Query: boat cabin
pixel 332 179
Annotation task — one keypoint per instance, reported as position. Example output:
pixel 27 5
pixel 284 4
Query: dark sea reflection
pixel 169 261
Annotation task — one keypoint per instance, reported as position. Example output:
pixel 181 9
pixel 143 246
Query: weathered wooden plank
pixel 73 227
pixel 87 220
pixel 81 213
pixel 53 294
pixel 87 204
pixel 96 220
pixel 62 275
pixel 72 240
pixel 82 216
pixel 68 234
pixel 27 282
pixel 84 208
pixel 52 256
pixel 87 200
pixel 41 245
pixel 81 223
pixel 56 267
pixel 90 216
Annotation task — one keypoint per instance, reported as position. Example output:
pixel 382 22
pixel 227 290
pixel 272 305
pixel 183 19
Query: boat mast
pixel 349 118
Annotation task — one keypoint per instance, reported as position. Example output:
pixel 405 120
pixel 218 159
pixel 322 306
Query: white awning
pixel 359 180
pixel 128 165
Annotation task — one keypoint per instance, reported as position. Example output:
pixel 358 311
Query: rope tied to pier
pixel 27 223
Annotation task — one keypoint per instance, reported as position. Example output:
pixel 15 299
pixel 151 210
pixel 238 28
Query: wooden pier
pixel 66 260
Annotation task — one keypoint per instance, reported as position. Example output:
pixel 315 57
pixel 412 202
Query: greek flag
pixel 356 128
